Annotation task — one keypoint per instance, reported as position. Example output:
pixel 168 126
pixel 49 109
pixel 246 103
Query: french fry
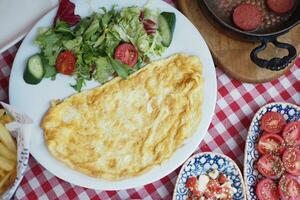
pixel 5 152
pixel 2 112
pixel 7 139
pixel 8 153
pixel 3 182
pixel 4 179
pixel 2 173
pixel 12 177
pixel 5 118
pixel 6 164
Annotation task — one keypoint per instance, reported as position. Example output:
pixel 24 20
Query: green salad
pixel 105 44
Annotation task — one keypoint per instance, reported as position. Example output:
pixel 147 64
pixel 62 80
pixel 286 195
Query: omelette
pixel 126 126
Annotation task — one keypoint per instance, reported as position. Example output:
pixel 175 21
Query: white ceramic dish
pixel 34 99
pixel 290 112
pixel 17 18
pixel 202 163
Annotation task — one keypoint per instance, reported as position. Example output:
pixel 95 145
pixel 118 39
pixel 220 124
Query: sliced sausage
pixel 247 17
pixel 281 6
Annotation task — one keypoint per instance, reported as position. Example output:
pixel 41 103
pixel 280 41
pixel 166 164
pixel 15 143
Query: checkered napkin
pixel 236 104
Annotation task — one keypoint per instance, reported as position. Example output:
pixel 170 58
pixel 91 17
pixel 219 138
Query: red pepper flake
pixel 66 13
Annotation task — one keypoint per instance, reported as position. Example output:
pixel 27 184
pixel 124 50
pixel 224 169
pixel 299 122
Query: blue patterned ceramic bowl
pixel 202 163
pixel 251 175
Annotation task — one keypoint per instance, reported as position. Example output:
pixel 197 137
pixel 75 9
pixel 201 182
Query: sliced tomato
pixel 270 166
pixel 291 161
pixel 191 183
pixel 291 134
pixel 289 188
pixel 271 143
pixel 272 122
pixel 65 62
pixel 127 54
pixel 266 189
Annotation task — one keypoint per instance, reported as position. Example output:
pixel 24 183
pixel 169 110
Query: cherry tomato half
pixel 270 166
pixel 266 189
pixel 291 161
pixel 272 122
pixel 127 54
pixel 291 134
pixel 289 188
pixel 65 62
pixel 270 143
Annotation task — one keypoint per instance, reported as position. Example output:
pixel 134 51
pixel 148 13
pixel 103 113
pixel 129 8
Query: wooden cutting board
pixel 233 56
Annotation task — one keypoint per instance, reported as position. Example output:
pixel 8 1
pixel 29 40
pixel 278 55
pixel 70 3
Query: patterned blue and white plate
pixel 291 113
pixel 202 163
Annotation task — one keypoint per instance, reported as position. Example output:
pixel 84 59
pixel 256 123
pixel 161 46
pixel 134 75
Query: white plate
pixel 34 99
pixel 17 17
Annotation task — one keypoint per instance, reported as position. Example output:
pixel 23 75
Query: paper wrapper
pixel 18 129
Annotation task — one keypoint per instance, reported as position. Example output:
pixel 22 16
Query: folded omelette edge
pixel 125 127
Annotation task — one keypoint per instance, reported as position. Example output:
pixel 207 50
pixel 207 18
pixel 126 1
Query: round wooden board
pixel 233 56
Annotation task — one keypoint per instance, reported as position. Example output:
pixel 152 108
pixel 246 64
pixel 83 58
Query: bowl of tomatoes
pixel 209 176
pixel 272 153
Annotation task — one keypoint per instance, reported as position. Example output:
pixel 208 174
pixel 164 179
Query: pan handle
pixel 275 64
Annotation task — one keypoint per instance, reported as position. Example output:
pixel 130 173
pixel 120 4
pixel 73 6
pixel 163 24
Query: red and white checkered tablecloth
pixel 236 104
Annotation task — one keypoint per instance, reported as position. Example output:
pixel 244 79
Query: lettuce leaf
pixel 104 69
pixel 121 69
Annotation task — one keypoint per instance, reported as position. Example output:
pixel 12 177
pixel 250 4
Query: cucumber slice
pixel 166 26
pixel 34 71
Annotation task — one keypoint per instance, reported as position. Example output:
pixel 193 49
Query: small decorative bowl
pixel 202 163
pixel 251 175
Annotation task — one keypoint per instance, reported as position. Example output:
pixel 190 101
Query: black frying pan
pixel 273 25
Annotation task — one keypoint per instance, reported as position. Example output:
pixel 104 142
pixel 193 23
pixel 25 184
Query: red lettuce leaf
pixel 66 13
